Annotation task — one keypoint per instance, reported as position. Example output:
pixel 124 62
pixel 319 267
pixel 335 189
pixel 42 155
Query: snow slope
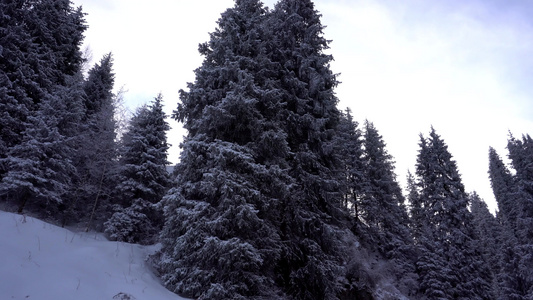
pixel 46 262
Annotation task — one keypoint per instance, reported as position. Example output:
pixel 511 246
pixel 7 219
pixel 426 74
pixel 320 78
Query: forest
pixel 279 193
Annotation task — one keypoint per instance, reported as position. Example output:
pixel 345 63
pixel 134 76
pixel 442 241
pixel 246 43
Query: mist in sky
pixel 463 67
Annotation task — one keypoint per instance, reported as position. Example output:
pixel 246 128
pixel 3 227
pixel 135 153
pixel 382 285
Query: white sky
pixel 464 67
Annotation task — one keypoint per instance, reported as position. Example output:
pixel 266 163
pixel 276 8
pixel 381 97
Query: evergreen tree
pixel 257 211
pixel 350 151
pixel 504 189
pixel 15 103
pixel 313 220
pixel 489 235
pixel 382 202
pixel 96 158
pixel 416 211
pixel 40 50
pixel 57 34
pixel 382 205
pixel 98 87
pixel 450 264
pixel 38 101
pixel 521 155
pixel 218 239
pixel 40 168
pixel 142 176
pixel 512 276
pixel 375 201
pixel 515 198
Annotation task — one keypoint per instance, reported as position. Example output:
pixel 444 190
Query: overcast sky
pixel 465 67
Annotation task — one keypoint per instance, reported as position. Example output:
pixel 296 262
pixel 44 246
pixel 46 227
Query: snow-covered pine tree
pixel 450 265
pixel 382 202
pixel 517 205
pixel 57 30
pixel 512 277
pixel 39 106
pixel 416 212
pixel 15 103
pixel 220 240
pixel 40 46
pixel 521 155
pixel 505 190
pixel 258 174
pixel 98 87
pixel 97 147
pixel 384 220
pixel 313 221
pixel 489 235
pixel 350 152
pixel 142 177
pixel 40 169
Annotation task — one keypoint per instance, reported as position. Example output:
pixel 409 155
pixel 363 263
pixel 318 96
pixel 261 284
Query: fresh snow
pixel 45 262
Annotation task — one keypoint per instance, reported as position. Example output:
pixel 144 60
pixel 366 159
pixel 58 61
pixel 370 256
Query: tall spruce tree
pixel 15 77
pixel 505 190
pixel 56 28
pixel 515 197
pixel 40 66
pixel 416 211
pixel 521 155
pixel 489 235
pixel 96 158
pixel 450 264
pixel 142 177
pixel 313 220
pixel 512 277
pixel 382 205
pixel 219 241
pixel 256 211
pixel 382 201
pixel 350 151
pixel 40 168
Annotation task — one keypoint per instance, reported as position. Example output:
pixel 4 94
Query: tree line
pixel 278 194
pixel 60 156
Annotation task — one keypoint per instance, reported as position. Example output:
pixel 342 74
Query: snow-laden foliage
pixel 97 148
pixel 257 205
pixel 219 239
pixel 40 63
pixel 348 143
pixel 383 210
pixel 313 219
pixel 514 195
pixel 521 155
pixel 374 198
pixel 451 265
pixel 490 235
pixel 40 170
pixel 504 189
pixel 58 141
pixel 142 177
pixel 220 245
pixel 381 192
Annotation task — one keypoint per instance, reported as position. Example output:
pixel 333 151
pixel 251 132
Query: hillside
pixel 42 261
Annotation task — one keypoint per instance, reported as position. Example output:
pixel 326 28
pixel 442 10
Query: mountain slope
pixel 43 261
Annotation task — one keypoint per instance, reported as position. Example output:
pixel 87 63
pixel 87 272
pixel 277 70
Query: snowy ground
pixel 45 262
